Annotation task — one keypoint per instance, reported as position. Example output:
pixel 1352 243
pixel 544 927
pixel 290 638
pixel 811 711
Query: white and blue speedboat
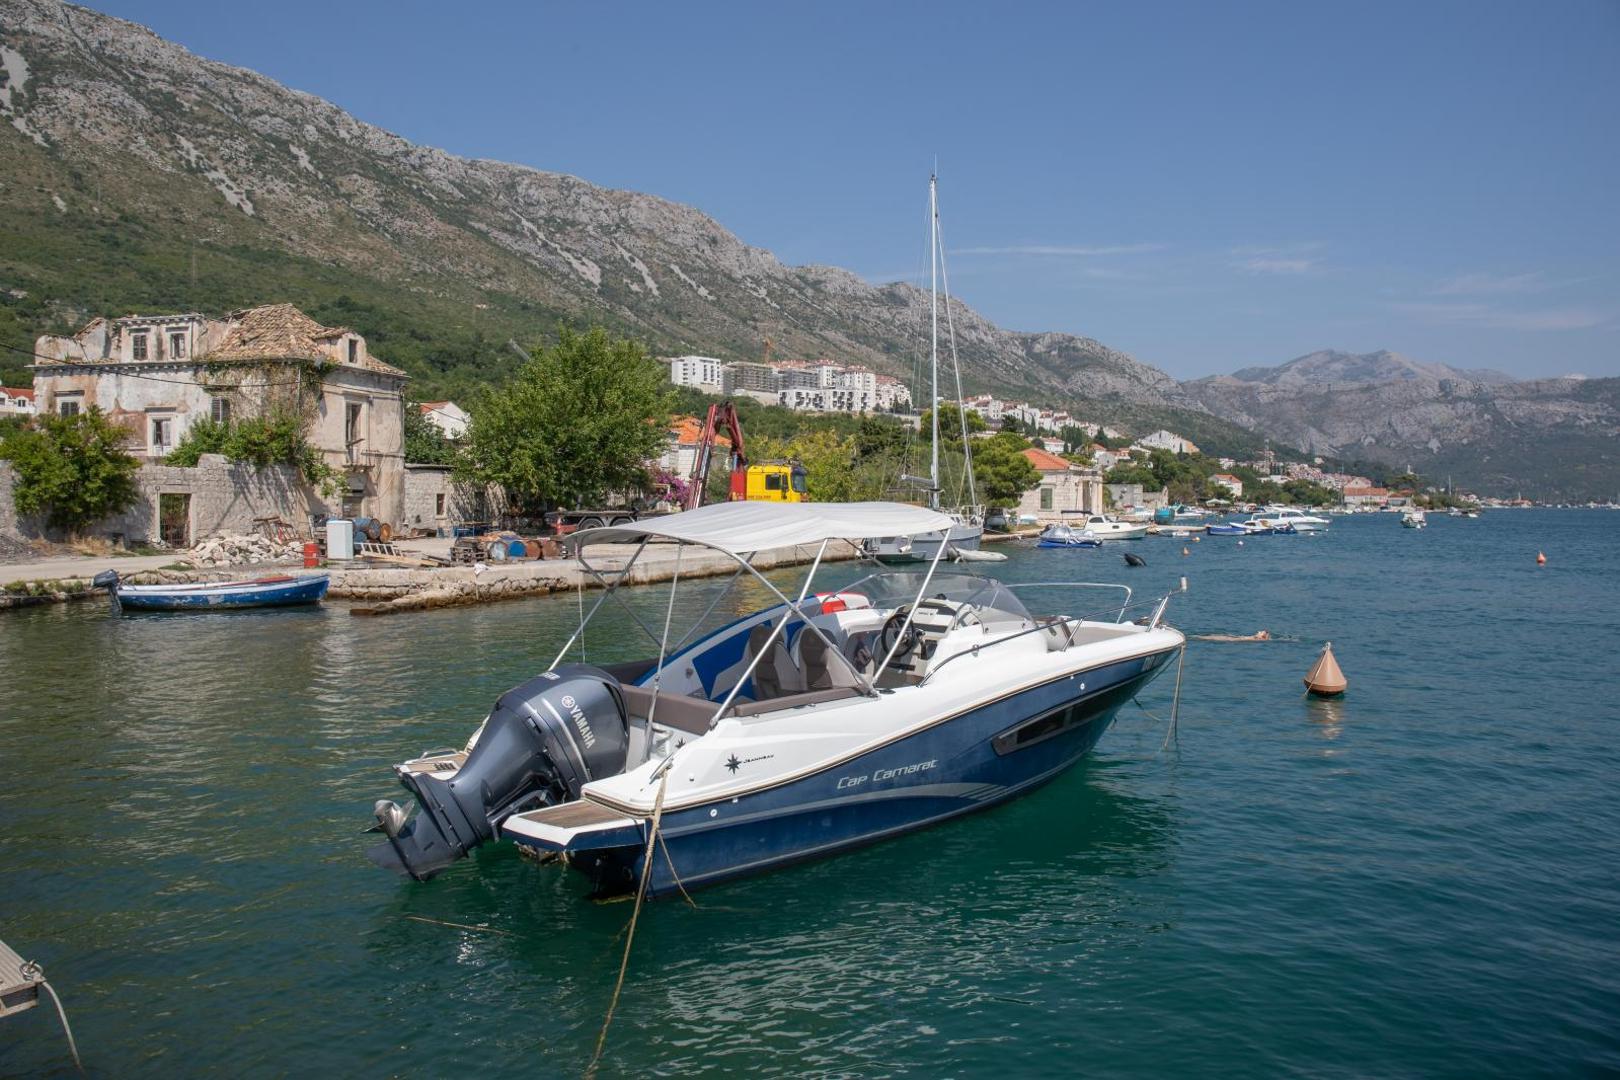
pixel 821 722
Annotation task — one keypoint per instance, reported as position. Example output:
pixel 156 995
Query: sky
pixel 1204 186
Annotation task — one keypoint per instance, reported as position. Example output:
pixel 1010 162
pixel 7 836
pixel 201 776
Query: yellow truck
pixel 776 481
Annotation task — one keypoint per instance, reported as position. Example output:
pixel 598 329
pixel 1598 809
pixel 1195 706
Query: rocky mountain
pixel 1557 438
pixel 135 175
pixel 108 125
pixel 1327 366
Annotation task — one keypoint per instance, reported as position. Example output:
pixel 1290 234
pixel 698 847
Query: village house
pixel 447 416
pixel 1168 440
pixel 1065 488
pixel 1359 497
pixel 158 375
pixel 1232 484
pixel 15 401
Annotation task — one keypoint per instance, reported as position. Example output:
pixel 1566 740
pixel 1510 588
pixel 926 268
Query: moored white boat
pixel 1414 519
pixel 1288 515
pixel 813 725
pixel 1062 535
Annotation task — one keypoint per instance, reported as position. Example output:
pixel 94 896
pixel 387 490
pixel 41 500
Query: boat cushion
pixel 679 711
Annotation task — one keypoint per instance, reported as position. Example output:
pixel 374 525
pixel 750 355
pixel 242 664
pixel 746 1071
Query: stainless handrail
pixel 1159 603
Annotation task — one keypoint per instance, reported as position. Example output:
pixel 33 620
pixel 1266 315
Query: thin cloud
pixel 1494 284
pixel 1276 266
pixel 1072 251
pixel 1474 314
pixel 1276 260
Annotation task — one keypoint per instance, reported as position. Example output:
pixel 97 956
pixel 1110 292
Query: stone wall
pixel 425 485
pixel 225 498
pixel 14 529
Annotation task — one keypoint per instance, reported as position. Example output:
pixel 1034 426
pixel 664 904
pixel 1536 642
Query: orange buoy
pixel 1325 679
pixel 1541 558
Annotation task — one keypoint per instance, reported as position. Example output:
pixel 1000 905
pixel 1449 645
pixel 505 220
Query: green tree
pixel 425 443
pixel 950 423
pixel 1001 471
pixel 73 469
pixel 581 419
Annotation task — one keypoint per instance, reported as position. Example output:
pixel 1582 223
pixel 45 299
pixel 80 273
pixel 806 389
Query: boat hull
pixel 955 766
pixel 225 595
pixel 923 548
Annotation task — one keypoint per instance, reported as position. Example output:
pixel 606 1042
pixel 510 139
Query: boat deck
pixel 18 991
pixel 574 815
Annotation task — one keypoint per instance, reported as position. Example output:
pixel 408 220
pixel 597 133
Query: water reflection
pixel 970 912
pixel 1327 713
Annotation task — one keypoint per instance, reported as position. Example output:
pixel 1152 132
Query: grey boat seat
pixel 776 674
pixel 825 668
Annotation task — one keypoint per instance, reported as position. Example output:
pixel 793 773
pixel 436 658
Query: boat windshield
pixel 895 588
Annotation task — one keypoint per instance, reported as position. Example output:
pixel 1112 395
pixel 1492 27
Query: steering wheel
pixel 891 635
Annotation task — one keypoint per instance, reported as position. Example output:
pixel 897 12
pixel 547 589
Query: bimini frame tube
pixel 944 542
pixel 600 600
pixel 793 607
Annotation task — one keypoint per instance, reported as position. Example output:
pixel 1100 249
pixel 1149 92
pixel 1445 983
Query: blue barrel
pixel 516 549
pixel 497 551
pixel 1164 515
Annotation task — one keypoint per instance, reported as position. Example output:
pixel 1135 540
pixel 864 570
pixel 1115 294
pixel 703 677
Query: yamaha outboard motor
pixel 543 741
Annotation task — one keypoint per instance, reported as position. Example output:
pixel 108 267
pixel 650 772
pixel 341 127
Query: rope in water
pixel 31 969
pixel 630 939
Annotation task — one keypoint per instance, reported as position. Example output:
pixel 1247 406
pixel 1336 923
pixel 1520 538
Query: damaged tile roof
pixel 281 332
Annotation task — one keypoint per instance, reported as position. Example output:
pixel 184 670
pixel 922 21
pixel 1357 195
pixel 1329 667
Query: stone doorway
pixel 174 520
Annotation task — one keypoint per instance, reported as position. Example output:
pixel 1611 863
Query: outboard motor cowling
pixel 543 741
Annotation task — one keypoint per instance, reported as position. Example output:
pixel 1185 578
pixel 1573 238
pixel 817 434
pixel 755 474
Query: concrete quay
pixel 381 590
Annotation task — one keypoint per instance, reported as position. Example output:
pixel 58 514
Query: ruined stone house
pixel 159 375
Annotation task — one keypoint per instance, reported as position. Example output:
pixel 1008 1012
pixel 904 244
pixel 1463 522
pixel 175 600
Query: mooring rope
pixel 1175 702
pixel 630 940
pixel 31 969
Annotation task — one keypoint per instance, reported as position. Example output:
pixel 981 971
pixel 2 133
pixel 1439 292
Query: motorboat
pixel 279 590
pixel 1062 535
pixel 1108 527
pixel 1414 519
pixel 1225 528
pixel 820 722
pixel 1262 526
pixel 1289 515
pixel 1179 514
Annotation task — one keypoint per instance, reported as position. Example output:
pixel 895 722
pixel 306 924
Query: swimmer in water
pixel 1259 635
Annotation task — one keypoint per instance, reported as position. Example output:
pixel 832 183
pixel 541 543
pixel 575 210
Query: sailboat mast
pixel 933 346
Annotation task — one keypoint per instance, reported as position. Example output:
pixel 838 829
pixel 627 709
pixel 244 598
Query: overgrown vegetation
pixel 71 469
pixel 425 443
pixel 261 441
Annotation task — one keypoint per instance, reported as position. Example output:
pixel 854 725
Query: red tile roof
pixel 16 392
pixel 1047 462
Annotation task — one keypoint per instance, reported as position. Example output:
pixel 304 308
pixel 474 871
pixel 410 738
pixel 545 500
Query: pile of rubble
pixel 243 551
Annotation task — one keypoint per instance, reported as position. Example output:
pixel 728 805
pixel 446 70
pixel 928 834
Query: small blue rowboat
pixel 1226 530
pixel 277 591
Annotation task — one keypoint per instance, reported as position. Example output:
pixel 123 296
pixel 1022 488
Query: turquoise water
pixel 1422 879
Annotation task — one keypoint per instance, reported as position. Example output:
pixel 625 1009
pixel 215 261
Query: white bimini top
pixel 742 527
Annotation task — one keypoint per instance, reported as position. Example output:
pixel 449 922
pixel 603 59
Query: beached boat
pixel 273 591
pixel 1066 536
pixel 808 727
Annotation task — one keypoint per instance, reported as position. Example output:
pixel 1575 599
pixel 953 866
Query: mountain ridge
pixel 137 175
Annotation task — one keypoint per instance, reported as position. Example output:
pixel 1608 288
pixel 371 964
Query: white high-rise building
pixel 704 372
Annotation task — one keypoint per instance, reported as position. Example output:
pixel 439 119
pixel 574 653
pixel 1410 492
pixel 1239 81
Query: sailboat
pixel 967 522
